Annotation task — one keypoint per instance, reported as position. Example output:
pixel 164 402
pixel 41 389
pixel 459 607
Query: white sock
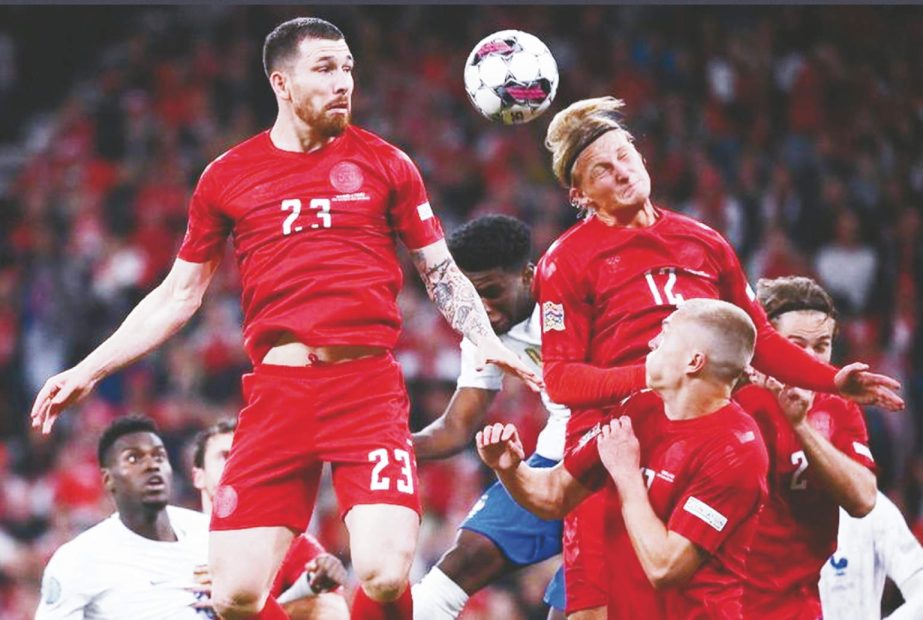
pixel 437 597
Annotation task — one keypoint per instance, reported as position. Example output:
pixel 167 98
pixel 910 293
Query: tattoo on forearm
pixel 454 295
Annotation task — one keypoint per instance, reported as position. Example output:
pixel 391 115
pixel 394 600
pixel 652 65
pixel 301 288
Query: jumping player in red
pixel 309 582
pixel 315 207
pixel 607 283
pixel 819 461
pixel 686 473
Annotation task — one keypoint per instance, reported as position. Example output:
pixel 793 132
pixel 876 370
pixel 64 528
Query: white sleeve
pixel 900 551
pixel 490 378
pixel 912 591
pixel 65 593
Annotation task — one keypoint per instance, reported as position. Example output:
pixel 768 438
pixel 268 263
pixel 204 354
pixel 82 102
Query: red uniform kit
pixel 706 480
pixel 302 550
pixel 798 527
pixel 315 238
pixel 604 292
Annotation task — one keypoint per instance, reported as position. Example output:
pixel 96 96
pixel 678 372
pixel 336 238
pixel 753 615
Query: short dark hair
pixel 792 293
pixel 285 38
pixel 119 428
pixel 491 242
pixel 222 426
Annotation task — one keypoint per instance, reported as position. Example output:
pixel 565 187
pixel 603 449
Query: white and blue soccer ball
pixel 511 77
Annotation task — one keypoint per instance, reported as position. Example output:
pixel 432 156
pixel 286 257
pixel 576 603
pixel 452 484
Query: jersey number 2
pixel 322 211
pixel 798 481
pixel 383 483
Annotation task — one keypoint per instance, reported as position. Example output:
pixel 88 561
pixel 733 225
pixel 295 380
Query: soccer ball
pixel 511 77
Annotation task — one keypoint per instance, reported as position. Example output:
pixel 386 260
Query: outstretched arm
pixel 453 430
pixel 459 303
pixel 156 317
pixel 549 493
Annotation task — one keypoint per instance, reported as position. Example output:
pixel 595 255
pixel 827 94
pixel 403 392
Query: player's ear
pixel 528 272
pixel 107 479
pixel 577 198
pixel 279 82
pixel 198 478
pixel 696 363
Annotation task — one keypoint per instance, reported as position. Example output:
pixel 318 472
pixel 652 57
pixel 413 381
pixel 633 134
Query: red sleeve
pixel 775 355
pixel 208 227
pixel 566 310
pixel 411 214
pixel 566 314
pixel 578 385
pixel 727 489
pixel 850 435
pixel 583 462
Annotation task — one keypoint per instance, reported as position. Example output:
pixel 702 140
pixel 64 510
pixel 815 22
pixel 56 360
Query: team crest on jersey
pixel 346 177
pixel 552 317
pixel 225 501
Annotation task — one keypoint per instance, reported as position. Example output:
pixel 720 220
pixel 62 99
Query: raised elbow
pixel 862 506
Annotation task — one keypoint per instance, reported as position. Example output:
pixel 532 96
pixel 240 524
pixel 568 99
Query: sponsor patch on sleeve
pixel 705 512
pixel 425 211
pixel 552 317
pixel 863 450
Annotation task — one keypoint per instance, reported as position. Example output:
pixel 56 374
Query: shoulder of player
pixel 252 146
pixel 385 152
pixel 742 433
pixel 684 223
pixel 754 399
pixel 835 405
pixel 184 516
pixel 566 247
pixel 91 542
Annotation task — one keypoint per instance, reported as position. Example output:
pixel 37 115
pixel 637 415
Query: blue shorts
pixel 522 537
pixel 554 593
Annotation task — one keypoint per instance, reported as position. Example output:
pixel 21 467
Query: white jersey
pixel 110 573
pixel 870 549
pixel 524 339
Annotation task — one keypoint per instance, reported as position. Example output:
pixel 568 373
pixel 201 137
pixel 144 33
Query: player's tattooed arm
pixel 453 294
pixel 458 301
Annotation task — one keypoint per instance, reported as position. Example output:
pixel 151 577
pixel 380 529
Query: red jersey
pixel 315 236
pixel 605 290
pixel 797 529
pixel 706 480
pixel 302 550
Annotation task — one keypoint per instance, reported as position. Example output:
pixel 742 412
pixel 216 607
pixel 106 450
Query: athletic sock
pixel 364 608
pixel 437 597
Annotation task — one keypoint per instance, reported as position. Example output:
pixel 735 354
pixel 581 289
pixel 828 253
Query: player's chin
pixel 335 122
pixel 156 499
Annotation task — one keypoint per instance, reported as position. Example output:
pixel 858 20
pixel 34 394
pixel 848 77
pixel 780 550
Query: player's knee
pixel 238 603
pixel 384 583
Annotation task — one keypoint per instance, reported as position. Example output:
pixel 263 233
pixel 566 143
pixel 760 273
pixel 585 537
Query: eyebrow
pixel 329 57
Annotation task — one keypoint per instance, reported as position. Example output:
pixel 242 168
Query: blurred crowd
pixel 796 131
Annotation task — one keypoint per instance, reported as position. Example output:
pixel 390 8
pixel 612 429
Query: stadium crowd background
pixel 798 132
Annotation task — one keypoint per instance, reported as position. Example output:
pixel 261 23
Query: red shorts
pixel 352 415
pixel 586 577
